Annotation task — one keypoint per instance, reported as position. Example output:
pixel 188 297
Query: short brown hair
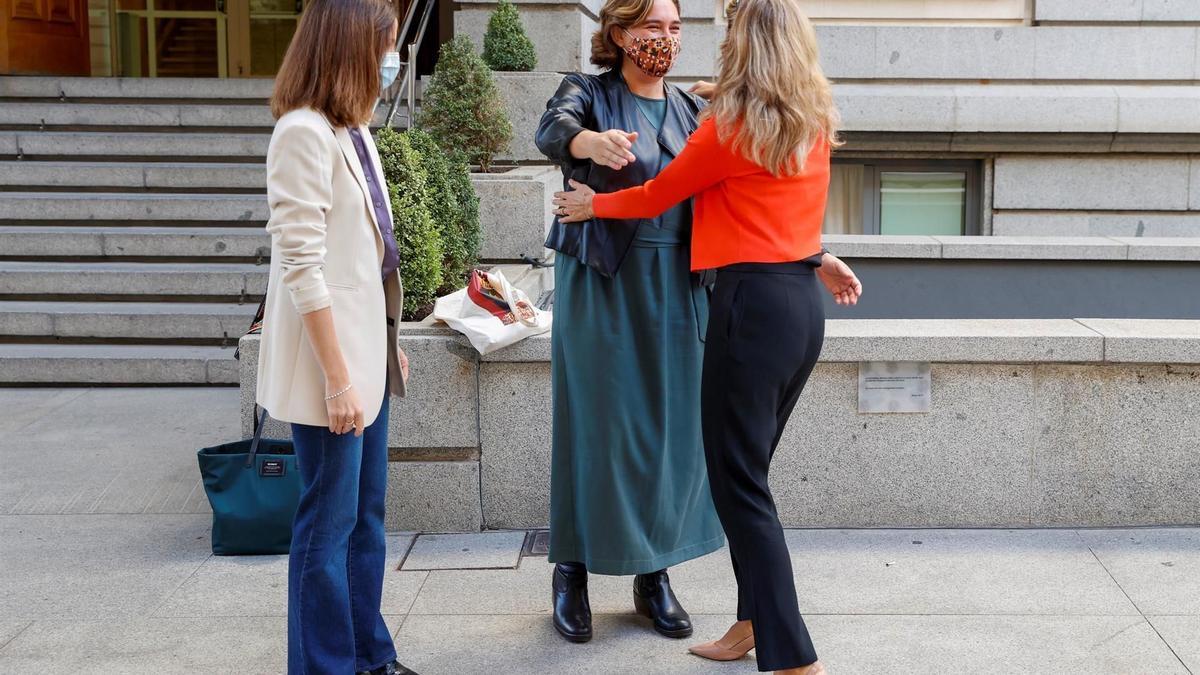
pixel 332 64
pixel 623 13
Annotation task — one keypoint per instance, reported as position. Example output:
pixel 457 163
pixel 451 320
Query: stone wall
pixel 1086 113
pixel 1033 423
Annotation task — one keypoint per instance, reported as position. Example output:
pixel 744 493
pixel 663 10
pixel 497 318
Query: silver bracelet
pixel 330 398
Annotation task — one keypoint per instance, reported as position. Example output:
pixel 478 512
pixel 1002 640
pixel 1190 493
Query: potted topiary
pixel 454 207
pixel 416 232
pixel 506 47
pixel 462 108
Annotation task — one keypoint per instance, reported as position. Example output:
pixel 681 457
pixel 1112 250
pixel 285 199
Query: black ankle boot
pixel 572 611
pixel 654 599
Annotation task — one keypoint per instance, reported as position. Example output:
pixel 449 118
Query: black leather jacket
pixel 599 103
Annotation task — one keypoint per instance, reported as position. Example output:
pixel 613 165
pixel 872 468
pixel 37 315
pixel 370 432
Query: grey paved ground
pixel 105 568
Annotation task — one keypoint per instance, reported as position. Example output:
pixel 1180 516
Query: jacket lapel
pixel 351 156
pixel 677 125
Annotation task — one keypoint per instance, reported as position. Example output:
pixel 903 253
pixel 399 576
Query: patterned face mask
pixel 654 56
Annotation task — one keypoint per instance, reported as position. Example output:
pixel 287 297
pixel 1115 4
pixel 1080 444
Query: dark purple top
pixel 391 256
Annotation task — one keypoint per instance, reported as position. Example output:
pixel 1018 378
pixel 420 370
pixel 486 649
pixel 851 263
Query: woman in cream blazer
pixel 329 355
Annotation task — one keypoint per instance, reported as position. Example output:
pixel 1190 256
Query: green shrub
pixel 416 233
pixel 505 45
pixel 462 109
pixel 454 207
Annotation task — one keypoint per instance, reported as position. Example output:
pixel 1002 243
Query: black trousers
pixel 765 330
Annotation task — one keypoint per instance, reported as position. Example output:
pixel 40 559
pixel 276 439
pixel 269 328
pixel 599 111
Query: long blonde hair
pixel 771 95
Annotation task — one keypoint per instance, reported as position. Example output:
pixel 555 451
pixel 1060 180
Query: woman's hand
pixel 574 206
pixel 610 148
pixel 839 279
pixel 704 90
pixel 345 411
pixel 403 365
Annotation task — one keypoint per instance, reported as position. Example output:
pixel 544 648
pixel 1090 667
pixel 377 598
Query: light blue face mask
pixel 389 69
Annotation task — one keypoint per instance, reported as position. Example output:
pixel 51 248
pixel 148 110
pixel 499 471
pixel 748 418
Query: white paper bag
pixel 491 312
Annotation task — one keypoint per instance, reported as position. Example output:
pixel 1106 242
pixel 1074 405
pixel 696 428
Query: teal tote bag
pixel 254 488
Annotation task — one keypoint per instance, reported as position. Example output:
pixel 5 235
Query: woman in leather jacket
pixel 629 488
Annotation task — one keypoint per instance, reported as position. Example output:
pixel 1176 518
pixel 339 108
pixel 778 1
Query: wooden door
pixel 44 37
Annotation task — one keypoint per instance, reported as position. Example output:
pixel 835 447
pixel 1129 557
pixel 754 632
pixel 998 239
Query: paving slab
pixel 446 645
pixel 96 567
pixel 97 463
pixel 951 572
pixel 23 407
pixel 243 645
pixel 1158 568
pixel 479 550
pixel 11 629
pixel 525 590
pixel 1182 635
pixel 850 644
pixel 842 572
pixel 984 644
pixel 257 586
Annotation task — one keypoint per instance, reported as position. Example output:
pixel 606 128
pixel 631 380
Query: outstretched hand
pixel 840 280
pixel 574 205
pixel 704 90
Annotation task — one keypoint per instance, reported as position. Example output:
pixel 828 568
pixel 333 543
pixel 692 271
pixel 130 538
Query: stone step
pixel 38 114
pixel 133 242
pixel 108 207
pixel 155 175
pixel 154 146
pixel 71 88
pixel 116 364
pixel 92 279
pixel 126 320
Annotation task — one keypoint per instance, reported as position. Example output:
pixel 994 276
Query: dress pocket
pixel 342 287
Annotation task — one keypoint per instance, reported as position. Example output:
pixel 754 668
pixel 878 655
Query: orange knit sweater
pixel 742 213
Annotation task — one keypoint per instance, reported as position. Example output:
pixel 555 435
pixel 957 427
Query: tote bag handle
pixel 259 422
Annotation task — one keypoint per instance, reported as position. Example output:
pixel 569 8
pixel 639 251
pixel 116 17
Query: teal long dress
pixel 629 488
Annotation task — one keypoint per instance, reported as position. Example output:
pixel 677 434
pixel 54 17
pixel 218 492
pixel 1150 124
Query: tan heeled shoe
pixel 726 649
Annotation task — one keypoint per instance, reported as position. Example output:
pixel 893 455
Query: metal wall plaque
pixel 893 387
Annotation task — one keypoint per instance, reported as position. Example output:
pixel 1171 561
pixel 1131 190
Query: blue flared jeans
pixel 336 564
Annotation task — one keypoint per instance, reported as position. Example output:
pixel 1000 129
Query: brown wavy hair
pixel 332 65
pixel 772 101
pixel 623 13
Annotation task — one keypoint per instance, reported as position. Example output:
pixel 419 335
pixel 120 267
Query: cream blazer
pixel 326 251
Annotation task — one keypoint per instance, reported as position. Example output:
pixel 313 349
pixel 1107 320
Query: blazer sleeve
pixel 703 163
pixel 566 115
pixel 300 192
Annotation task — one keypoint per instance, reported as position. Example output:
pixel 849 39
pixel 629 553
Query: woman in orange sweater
pixel 758 168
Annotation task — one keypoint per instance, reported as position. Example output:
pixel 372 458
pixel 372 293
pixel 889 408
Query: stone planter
pixel 1033 423
pixel 515 211
pixel 525 96
pixel 561 30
